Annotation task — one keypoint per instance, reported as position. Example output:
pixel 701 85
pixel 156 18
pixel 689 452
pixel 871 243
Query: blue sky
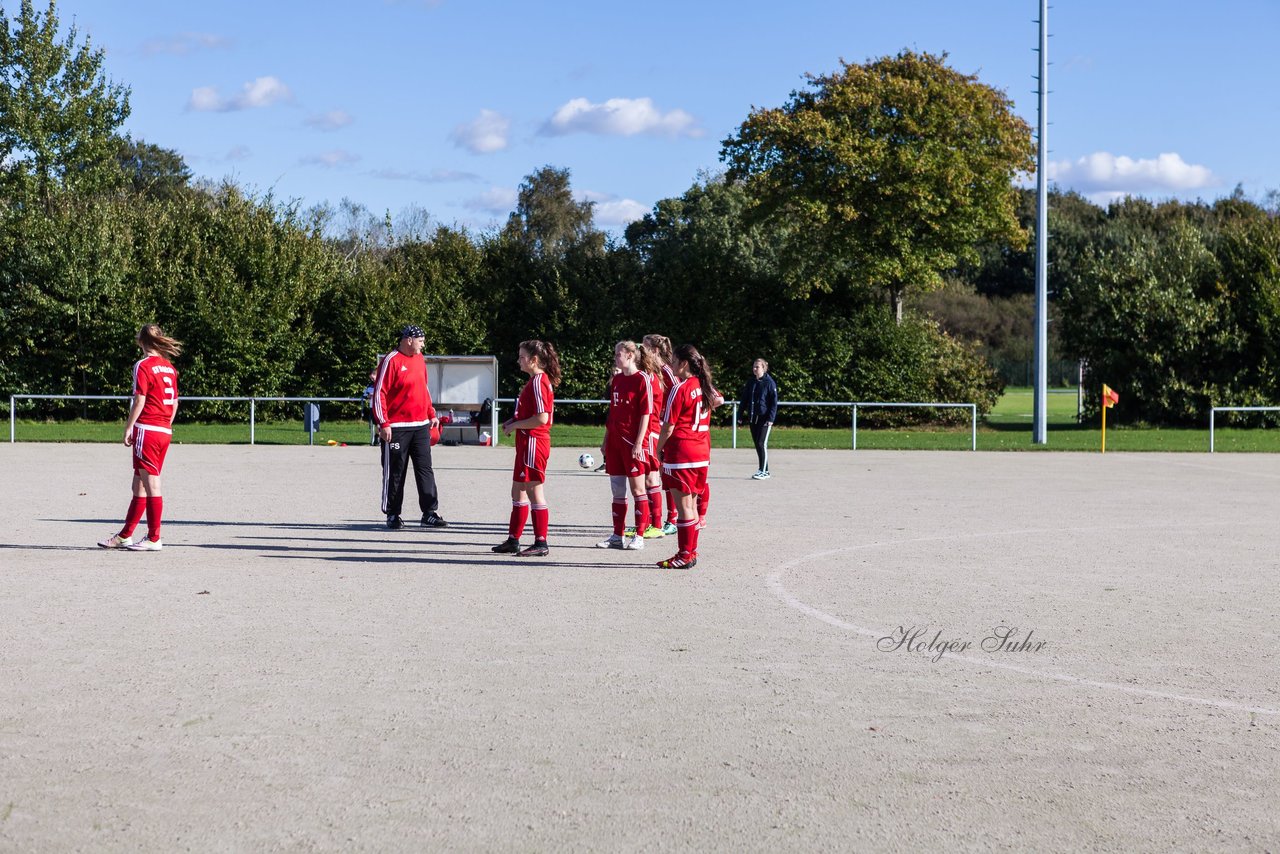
pixel 445 105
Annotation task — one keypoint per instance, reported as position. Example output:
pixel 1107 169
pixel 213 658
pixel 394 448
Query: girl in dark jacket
pixel 760 403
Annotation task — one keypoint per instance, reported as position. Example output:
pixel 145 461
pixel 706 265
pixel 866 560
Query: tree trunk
pixel 895 303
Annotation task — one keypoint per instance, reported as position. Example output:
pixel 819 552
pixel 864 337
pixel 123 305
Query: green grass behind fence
pixel 1006 428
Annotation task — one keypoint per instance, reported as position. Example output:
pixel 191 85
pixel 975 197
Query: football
pixel 587 461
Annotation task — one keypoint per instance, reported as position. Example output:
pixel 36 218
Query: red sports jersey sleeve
pixel 155 379
pixel 655 401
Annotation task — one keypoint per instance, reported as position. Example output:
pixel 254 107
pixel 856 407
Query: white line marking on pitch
pixel 778 589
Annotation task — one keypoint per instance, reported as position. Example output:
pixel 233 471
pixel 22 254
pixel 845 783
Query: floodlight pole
pixel 1039 427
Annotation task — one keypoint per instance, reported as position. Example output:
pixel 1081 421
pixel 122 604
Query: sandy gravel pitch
pixel 287 675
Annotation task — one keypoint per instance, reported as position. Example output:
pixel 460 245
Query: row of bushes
pixel 267 304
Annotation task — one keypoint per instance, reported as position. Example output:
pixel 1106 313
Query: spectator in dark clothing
pixel 760 403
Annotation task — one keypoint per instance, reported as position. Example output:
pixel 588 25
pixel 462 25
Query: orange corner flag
pixel 1109 397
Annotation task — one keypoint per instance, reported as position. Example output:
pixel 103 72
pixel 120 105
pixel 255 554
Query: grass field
pixel 1006 428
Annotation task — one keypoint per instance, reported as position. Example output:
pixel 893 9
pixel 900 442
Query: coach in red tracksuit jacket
pixel 405 417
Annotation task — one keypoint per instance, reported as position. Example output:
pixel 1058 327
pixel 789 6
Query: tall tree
pixel 701 251
pixel 152 171
pixel 548 220
pixel 58 112
pixel 885 174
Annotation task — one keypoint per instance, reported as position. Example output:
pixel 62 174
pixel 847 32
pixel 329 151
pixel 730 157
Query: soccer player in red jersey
pixel 685 448
pixel 660 346
pixel 626 431
pixel 148 431
pixel 532 425
pixel 652 369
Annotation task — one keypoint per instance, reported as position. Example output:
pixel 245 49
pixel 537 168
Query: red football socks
pixel 155 509
pixel 687 536
pixel 519 515
pixel 655 505
pixel 137 506
pixel 541 519
pixel 642 513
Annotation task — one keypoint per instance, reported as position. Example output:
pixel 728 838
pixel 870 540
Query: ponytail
pixel 547 358
pixel 152 337
pixel 648 360
pixel 698 367
pixel 661 345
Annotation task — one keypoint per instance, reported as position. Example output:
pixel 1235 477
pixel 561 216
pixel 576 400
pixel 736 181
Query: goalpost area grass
pixel 1006 428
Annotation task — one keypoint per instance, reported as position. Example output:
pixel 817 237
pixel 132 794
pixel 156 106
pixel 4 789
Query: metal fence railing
pixel 853 406
pixel 1213 411
pixel 973 416
pixel 496 433
pixel 252 401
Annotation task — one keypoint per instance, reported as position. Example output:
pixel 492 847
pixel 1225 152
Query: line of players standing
pixel 657 441
pixel 654 455
pixel 653 386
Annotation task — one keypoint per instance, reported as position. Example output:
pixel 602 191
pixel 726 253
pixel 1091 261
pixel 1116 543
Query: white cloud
pixel 262 92
pixel 332 120
pixel 495 200
pixel 620 117
pixel 611 210
pixel 331 159
pixel 205 99
pixel 1105 175
pixel 487 133
pixel 239 152
pixel 183 44
pixel 619 212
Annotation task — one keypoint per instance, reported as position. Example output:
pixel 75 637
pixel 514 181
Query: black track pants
pixel 760 436
pixel 408 443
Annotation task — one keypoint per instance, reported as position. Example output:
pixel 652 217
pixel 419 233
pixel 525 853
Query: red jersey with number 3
pixel 690 418
pixel 155 378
